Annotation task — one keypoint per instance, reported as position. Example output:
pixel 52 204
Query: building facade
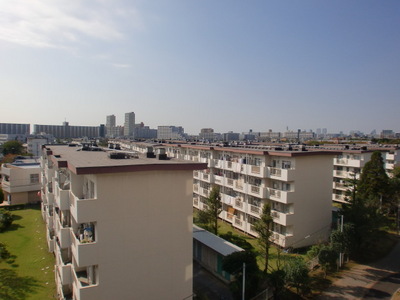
pixel 129 125
pixel 297 185
pixel 21 181
pixel 67 131
pixel 350 162
pixel 14 128
pixel 119 228
pixel 170 133
pixel 110 125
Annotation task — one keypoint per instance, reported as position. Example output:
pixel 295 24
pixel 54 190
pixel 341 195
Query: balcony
pixel 348 162
pixel 81 286
pixel 340 186
pixel 240 186
pixel 227 199
pixel 238 223
pixel 83 210
pixel 61 197
pixel 62 233
pixel 50 239
pixel 281 196
pixel 257 191
pixel 229 182
pixel 196 202
pixel 196 174
pixel 204 192
pixel 256 171
pixel 282 239
pixel 339 198
pixel 281 174
pixel 254 210
pixel 284 219
pixel 63 267
pixel 218 179
pixel 85 253
pixel 206 177
pixel 239 204
pixel 196 187
pixel 49 217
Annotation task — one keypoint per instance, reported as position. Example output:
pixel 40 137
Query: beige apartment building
pixel 21 181
pixel 297 184
pixel 348 164
pixel 120 225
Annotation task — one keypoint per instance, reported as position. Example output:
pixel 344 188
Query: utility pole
pixel 341 254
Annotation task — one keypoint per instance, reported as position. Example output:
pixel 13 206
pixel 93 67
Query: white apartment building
pixel 350 162
pixel 297 184
pixel 35 145
pixel 21 181
pixel 119 228
pixel 170 133
pixel 129 125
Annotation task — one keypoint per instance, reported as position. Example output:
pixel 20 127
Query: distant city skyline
pixel 226 65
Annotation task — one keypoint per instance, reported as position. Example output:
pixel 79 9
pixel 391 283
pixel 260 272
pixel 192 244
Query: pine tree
pixel 263 228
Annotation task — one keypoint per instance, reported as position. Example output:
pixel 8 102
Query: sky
pixel 229 65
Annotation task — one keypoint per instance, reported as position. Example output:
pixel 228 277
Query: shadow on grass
pixel 13 227
pixel 14 287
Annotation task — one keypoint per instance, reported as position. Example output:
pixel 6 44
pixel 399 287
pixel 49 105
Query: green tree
pixel 233 264
pixel 12 147
pixel 327 257
pixel 214 208
pixel 263 228
pixel 374 182
pixel 296 274
pixel 6 219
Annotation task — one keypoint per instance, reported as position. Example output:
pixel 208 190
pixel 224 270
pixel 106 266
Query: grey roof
pixel 214 242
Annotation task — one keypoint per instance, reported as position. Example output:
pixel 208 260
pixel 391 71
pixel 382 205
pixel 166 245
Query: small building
pixel 21 181
pixel 209 250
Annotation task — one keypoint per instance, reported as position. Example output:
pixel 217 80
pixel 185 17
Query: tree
pixel 12 147
pixel 214 208
pixel 374 181
pixel 327 257
pixel 296 274
pixel 6 219
pixel 263 228
pixel 233 264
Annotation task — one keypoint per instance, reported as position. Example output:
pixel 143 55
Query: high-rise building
pixel 112 235
pixel 110 124
pixel 129 125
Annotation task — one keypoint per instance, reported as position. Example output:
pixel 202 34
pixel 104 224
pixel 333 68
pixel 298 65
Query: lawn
pixel 29 274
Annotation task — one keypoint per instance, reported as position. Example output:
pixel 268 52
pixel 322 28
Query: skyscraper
pixel 129 125
pixel 110 124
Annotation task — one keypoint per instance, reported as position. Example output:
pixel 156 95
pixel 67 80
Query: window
pixel 34 178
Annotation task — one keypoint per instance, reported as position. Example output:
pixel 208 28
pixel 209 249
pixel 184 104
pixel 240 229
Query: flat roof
pixel 214 242
pixel 96 162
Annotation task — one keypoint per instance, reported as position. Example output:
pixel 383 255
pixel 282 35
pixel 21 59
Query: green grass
pixel 29 273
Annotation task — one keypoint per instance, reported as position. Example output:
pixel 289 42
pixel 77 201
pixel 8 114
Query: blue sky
pixel 229 65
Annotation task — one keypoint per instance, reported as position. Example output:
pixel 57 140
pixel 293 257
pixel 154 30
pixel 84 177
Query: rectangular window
pixel 34 178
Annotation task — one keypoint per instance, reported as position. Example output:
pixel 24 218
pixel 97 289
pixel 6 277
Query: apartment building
pixel 67 131
pixel 348 164
pixel 21 181
pixel 119 224
pixel 296 183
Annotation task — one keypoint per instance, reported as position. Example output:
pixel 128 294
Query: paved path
pixel 379 280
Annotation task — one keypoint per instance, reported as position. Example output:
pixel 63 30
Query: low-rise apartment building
pixel 296 183
pixel 348 164
pixel 21 181
pixel 119 224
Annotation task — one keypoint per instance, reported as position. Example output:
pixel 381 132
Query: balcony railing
pixel 81 288
pixel 83 210
pixel 85 253
pixel 238 203
pixel 255 209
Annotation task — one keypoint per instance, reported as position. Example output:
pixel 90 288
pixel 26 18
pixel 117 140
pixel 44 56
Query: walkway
pixel 379 280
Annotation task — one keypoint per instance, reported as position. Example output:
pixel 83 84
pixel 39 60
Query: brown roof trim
pixel 242 150
pixel 137 168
